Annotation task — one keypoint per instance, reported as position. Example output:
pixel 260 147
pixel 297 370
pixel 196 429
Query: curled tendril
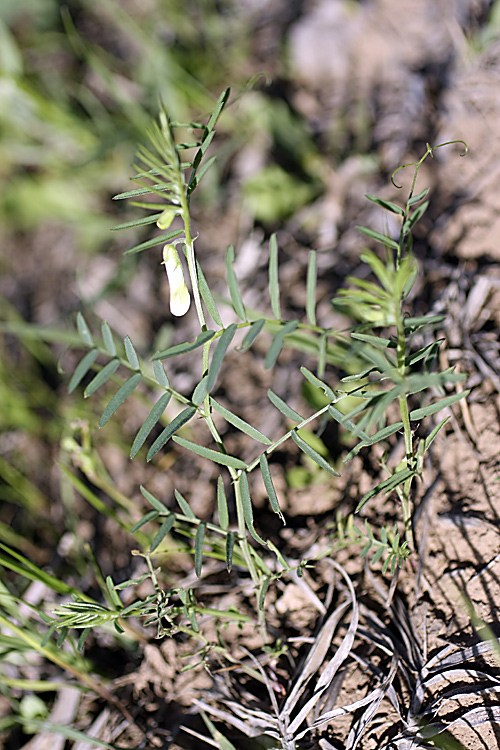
pixel 429 152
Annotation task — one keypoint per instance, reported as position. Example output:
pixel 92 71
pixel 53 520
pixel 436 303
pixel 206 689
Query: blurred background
pixel 328 97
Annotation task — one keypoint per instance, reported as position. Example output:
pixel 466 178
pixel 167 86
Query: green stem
pixel 191 261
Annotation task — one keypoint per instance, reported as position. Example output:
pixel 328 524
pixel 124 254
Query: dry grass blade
pixel 377 695
pixel 251 726
pixel 333 665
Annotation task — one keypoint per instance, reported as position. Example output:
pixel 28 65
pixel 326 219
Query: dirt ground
pixel 395 74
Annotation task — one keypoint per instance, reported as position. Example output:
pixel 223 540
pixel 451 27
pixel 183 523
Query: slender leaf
pixel 222 504
pixel 107 337
pixel 221 103
pixel 322 343
pixel 431 437
pixel 429 353
pixel 252 334
pixel 101 377
pixel 411 324
pixel 144 520
pixel 263 591
pixel 184 506
pixel 219 353
pixel 84 330
pixel 383 238
pixel 246 504
pixel 309 451
pixel 201 391
pixel 162 532
pixel 202 149
pixel 417 198
pixel 172 428
pixel 385 204
pixel 207 297
pixel 27 569
pixel 278 343
pixel 376 341
pixel 341 418
pixel 82 369
pixel 388 485
pixel 240 423
pixel 157 504
pixel 161 187
pixel 138 222
pixel 317 383
pixel 229 550
pixel 162 239
pixel 283 407
pixel 268 484
pixel 311 288
pixel 417 214
pixel 117 602
pixel 426 411
pixel 198 548
pixel 132 357
pixel 216 456
pixel 83 637
pixel 151 420
pixel 274 289
pixel 232 283
pixel 173 351
pixel 120 396
pixel 197 178
pixel 382 434
pixel 160 374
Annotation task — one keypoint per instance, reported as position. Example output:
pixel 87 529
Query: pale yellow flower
pixel 180 298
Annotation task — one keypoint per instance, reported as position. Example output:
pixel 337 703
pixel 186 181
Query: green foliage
pixel 394 372
pixel 391 382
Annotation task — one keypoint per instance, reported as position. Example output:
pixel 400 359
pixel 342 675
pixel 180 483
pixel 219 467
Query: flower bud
pixel 166 217
pixel 180 299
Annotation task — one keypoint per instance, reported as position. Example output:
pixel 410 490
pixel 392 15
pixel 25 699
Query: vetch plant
pixel 394 369
pixel 390 375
